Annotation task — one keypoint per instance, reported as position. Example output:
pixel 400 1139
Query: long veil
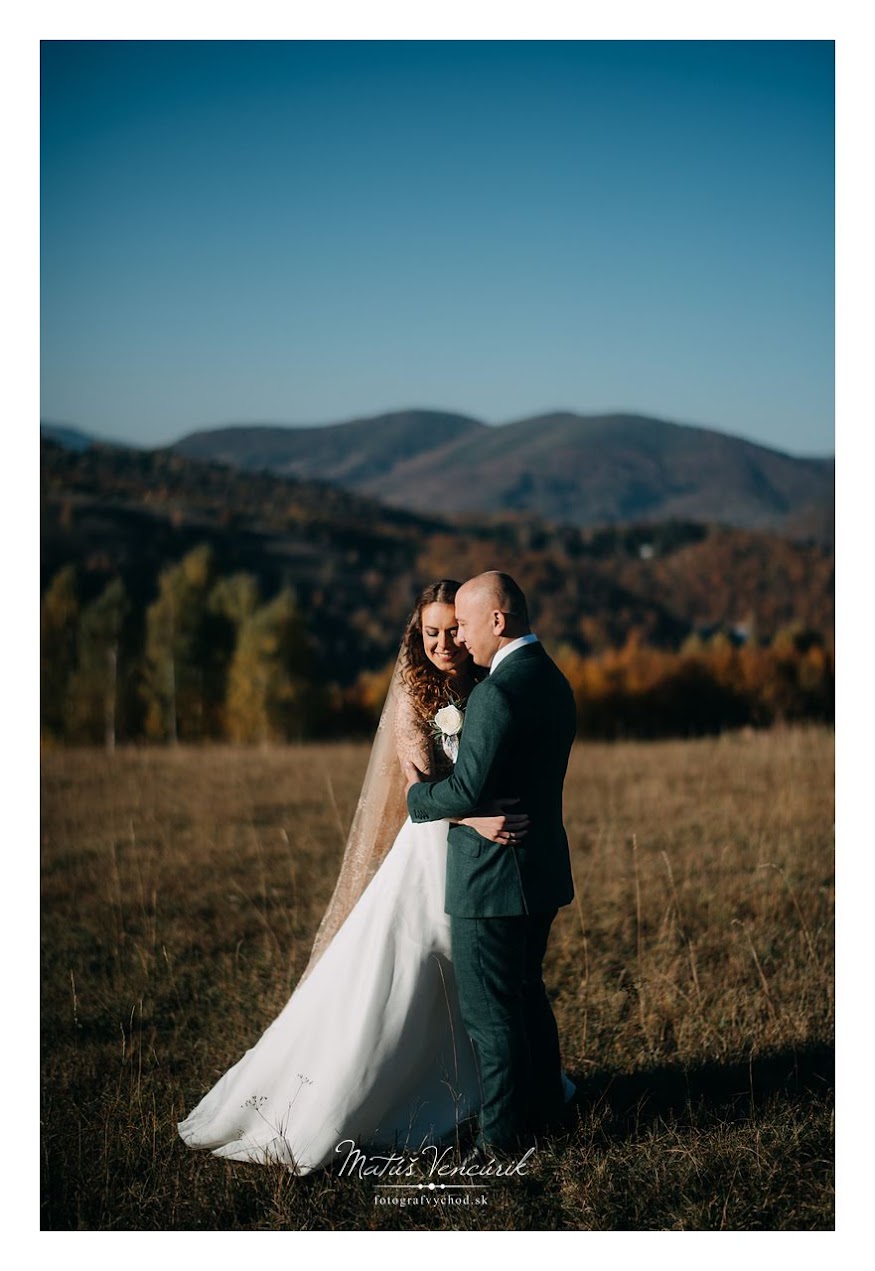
pixel 379 815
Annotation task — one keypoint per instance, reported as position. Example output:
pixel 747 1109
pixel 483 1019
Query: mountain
pixel 71 438
pixel 574 469
pixel 64 435
pixel 357 454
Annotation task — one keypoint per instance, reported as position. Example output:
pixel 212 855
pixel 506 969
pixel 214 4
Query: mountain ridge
pixel 609 468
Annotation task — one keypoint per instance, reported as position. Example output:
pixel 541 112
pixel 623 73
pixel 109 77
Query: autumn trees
pixel 708 685
pixel 187 602
pixel 212 662
pixel 210 659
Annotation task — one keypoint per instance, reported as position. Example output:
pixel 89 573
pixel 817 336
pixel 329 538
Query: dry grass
pixel 692 983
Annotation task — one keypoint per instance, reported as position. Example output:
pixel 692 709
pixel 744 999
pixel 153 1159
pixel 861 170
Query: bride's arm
pixel 411 735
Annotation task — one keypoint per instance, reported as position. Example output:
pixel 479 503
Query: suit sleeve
pixel 487 729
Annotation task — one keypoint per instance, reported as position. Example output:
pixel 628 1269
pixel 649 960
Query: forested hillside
pixel 187 600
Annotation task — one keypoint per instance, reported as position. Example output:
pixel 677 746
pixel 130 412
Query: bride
pixel 371 1046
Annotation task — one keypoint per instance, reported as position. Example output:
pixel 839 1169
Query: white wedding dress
pixel 370 1047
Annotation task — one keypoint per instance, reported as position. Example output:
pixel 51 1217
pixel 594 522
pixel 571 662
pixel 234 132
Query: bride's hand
pixel 505 827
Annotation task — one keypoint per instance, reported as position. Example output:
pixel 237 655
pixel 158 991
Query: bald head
pixel 491 611
pixel 498 591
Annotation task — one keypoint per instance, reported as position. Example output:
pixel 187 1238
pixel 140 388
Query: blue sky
pixel 303 232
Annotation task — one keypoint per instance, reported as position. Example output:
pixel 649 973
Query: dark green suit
pixel 519 728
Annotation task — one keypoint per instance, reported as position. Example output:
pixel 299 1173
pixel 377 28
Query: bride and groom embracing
pixel 423 1005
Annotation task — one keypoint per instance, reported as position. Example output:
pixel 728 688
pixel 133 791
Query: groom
pixel 518 731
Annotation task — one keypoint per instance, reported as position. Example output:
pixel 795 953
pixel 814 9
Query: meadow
pixel 692 981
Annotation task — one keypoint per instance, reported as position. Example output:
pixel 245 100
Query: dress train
pixel 370 1047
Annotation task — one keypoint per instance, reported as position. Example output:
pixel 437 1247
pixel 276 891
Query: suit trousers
pixel 504 1005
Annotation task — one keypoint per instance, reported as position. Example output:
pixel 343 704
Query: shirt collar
pixel 505 649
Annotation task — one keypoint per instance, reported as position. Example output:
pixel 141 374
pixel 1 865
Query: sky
pixel 303 232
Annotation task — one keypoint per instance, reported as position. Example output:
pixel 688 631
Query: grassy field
pixel 691 980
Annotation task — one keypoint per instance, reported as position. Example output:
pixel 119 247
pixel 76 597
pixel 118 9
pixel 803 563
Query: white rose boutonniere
pixel 446 727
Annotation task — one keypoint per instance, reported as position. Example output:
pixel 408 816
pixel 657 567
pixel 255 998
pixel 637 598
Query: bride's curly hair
pixel 426 684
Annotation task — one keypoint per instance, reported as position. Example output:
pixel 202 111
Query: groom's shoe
pixel 563 1121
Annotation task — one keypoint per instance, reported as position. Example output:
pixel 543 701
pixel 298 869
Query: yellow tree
pixel 177 645
pixel 271 697
pixel 232 601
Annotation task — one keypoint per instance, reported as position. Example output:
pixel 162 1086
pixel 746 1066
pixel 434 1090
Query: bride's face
pixel 438 626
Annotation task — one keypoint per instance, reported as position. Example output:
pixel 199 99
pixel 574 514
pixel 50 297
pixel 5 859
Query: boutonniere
pixel 447 725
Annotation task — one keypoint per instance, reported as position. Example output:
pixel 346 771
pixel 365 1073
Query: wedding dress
pixel 371 1046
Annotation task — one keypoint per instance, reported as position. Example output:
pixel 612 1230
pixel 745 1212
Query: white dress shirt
pixel 505 649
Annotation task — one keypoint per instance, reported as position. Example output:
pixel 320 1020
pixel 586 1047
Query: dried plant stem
pixel 75 999
pixel 686 939
pixel 766 990
pixel 799 913
pixel 639 943
pixel 337 816
pixel 637 898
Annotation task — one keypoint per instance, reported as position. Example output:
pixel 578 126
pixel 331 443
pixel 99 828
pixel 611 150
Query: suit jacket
pixel 519 727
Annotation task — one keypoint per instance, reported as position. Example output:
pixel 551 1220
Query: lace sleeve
pixel 412 740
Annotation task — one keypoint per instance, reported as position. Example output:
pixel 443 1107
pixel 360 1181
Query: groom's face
pixel 479 624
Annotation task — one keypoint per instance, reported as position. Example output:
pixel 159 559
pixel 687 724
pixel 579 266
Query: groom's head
pixel 490 612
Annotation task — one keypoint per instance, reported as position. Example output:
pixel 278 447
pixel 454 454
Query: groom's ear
pixel 499 622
